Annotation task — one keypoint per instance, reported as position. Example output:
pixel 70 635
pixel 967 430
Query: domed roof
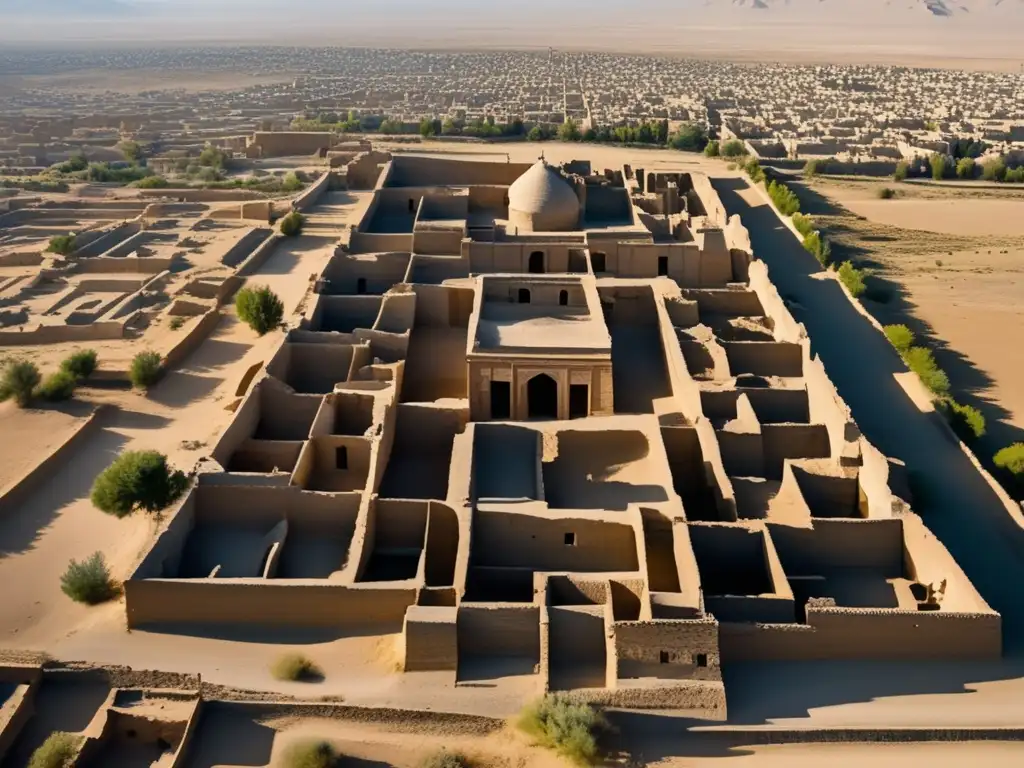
pixel 542 190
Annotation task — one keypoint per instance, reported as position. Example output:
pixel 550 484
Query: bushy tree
pixel 291 225
pixel 921 361
pixel 62 245
pixel 88 581
pixel 785 199
pixel 901 337
pixel 568 727
pixel 941 165
pixel 390 126
pixel 131 150
pixel 965 168
pixel 712 149
pixel 58 386
pixel 19 380
pixel 58 751
pixel 1010 465
pixel 902 171
pixel 145 369
pixel 259 308
pixel 137 480
pixel 151 182
pixel 966 420
pixel 733 148
pixel 852 278
pixel 213 157
pixel 81 364
pixel 993 169
pixel 690 137
pixel 537 133
pixel 569 131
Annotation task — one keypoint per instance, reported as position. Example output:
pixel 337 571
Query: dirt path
pixel 959 506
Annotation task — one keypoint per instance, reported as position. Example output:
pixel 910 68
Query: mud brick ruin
pixel 559 418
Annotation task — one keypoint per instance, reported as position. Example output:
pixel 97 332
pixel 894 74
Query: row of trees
pixel 940 166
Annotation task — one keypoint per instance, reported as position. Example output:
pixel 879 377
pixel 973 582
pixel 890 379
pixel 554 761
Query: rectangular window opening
pixel 341 457
pixel 570 539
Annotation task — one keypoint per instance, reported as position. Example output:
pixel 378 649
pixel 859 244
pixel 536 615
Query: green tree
pixel 137 480
pixel 131 150
pixel 712 149
pixel 58 386
pixel 941 166
pixel 213 157
pixel 537 133
pixel 965 168
pixel 145 369
pixel 427 128
pixel 1010 464
pixel 994 169
pixel 19 380
pixel 80 364
pixel 902 171
pixel 733 148
pixel 259 308
pixel 88 581
pixel 569 131
pixel 390 126
pixel 291 224
pixel 690 138
pixel 63 245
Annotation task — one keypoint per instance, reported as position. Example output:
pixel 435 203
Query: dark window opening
pixel 361 285
pixel 702 659
pixel 524 295
pixel 663 657
pixel 341 457
pixel 542 394
pixel 563 298
pixel 598 260
pixel 412 205
pixel 537 263
pixel 501 400
pixel 570 539
pixel 579 401
pixel 662 266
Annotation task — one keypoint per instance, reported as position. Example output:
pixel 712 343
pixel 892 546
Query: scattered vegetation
pixel 712 149
pixel 690 138
pixel 291 224
pixel 146 369
pixel 19 380
pixel 753 168
pixel 137 480
pixel 922 362
pixel 88 581
pixel 259 308
pixel 151 182
pixel 295 667
pixel 965 168
pixel 177 322
pixel 291 182
pixel 816 166
pixel 885 193
pixel 311 754
pixel 901 337
pixel 58 751
pixel 902 171
pixel 81 364
pixel 446 759
pixel 852 278
pixel 1010 465
pixel 58 386
pixel 570 728
pixel 804 224
pixel 62 245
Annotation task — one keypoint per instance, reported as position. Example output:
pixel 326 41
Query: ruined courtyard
pixel 532 427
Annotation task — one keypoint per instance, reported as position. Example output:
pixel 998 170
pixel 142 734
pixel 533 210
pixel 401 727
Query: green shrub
pixel 291 225
pixel 804 224
pixel 993 169
pixel 295 667
pixel 966 420
pixel 311 754
pixel 58 386
pixel 146 369
pixel 902 171
pixel 753 169
pixel 61 244
pixel 818 247
pixel 137 480
pixel 151 182
pixel 784 198
pixel 291 182
pixel 941 165
pixel 733 148
pixel 445 759
pixel 852 278
pixel 900 337
pixel 177 322
pixel 19 380
pixel 80 364
pixel 570 728
pixel 88 581
pixel 1010 464
pixel 885 193
pixel 712 149
pixel 814 167
pixel 58 751
pixel 965 168
pixel 922 362
pixel 259 308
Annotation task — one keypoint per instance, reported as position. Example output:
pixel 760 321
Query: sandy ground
pixel 29 435
pixel 954 257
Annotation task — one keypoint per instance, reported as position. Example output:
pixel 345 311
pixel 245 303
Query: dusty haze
pixel 969 33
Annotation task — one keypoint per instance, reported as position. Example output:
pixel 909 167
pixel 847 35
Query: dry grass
pixel 296 668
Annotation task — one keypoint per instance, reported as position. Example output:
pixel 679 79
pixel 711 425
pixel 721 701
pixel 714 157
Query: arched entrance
pixel 542 397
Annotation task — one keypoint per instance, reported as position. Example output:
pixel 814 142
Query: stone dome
pixel 541 200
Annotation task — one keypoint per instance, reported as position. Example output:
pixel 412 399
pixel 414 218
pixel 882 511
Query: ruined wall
pixel 647 649
pixel 410 171
pixel 195 336
pixel 244 246
pixel 499 630
pixel 311 195
pixel 265 603
pixel 431 639
pixel 870 544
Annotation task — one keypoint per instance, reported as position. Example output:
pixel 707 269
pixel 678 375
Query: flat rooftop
pixel 529 326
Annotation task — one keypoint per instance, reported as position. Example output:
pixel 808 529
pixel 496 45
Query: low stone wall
pixel 255 260
pixel 54 334
pixel 16 493
pixel 309 196
pixel 191 340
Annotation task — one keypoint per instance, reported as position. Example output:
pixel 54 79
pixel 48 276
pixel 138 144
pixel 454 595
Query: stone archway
pixel 542 397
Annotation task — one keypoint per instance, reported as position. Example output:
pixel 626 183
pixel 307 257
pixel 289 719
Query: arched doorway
pixel 537 263
pixel 542 397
